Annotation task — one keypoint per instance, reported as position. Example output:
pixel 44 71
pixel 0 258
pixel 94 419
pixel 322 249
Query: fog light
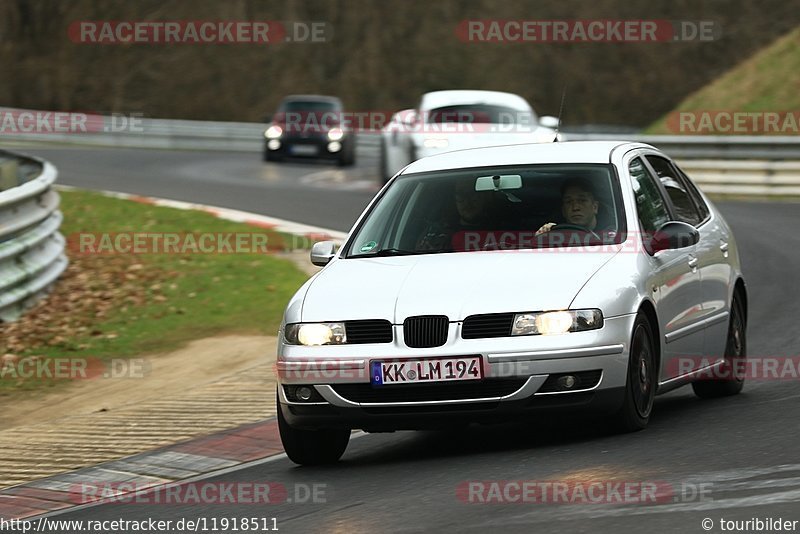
pixel 334 146
pixel 304 393
pixel 564 382
pixel 273 144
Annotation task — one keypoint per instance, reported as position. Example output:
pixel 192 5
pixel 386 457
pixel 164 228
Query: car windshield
pixel 503 208
pixel 479 113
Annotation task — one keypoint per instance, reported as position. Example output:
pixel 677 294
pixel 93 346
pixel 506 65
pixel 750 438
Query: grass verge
pixel 109 306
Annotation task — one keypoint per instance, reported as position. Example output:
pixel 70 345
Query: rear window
pixel 479 114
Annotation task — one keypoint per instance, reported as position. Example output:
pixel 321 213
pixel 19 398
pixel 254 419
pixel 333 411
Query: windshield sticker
pixel 368 246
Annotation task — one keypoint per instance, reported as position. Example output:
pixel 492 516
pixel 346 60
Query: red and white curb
pixel 252 219
pixel 194 459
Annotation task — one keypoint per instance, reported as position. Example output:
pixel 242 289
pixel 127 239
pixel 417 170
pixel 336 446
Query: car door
pixel 716 272
pixel 674 280
pixel 711 250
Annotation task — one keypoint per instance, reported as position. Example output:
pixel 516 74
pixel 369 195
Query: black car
pixel 310 126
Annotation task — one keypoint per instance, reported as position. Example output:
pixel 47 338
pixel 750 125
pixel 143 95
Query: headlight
pixel 335 134
pixel 436 142
pixel 556 322
pixel 312 334
pixel 273 132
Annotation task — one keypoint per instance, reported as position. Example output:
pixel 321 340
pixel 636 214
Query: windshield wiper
pixel 391 252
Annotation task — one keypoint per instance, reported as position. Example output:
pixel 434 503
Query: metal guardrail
pixel 31 247
pixel 719 171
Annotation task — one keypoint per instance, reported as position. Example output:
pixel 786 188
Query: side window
pixel 702 207
pixel 684 206
pixel 650 205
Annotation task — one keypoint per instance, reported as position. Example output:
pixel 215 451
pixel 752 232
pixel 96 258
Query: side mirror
pixel 548 121
pixel 409 118
pixel 673 235
pixel 322 253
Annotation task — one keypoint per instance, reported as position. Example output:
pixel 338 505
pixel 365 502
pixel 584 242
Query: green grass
pixel 171 299
pixel 768 81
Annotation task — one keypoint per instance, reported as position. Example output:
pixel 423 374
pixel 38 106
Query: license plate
pixel 303 150
pixel 421 371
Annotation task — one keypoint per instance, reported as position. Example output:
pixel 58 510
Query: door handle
pixel 693 263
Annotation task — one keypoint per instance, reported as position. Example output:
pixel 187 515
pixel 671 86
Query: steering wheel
pixel 570 226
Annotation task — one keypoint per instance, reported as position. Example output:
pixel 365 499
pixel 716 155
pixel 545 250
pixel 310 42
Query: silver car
pixel 492 283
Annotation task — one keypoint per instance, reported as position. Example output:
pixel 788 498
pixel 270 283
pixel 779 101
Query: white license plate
pixel 421 371
pixel 303 150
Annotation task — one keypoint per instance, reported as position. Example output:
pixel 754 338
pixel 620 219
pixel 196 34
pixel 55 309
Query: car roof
pixel 313 98
pixel 523 154
pixel 437 99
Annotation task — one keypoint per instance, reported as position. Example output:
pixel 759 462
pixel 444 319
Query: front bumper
pixel 519 366
pixel 310 146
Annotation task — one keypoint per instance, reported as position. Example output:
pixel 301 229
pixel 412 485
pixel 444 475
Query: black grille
pixel 426 331
pixel 368 331
pixel 473 389
pixel 586 380
pixel 489 325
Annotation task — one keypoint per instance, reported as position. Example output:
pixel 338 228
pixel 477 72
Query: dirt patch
pixel 200 362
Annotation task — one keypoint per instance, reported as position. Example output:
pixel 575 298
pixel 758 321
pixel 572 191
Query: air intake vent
pixel 426 331
pixel 470 389
pixel 369 331
pixel 489 325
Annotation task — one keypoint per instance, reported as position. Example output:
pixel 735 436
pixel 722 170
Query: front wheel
pixel 731 372
pixel 640 386
pixel 312 447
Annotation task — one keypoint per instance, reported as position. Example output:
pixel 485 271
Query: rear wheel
pixel 731 380
pixel 640 387
pixel 312 447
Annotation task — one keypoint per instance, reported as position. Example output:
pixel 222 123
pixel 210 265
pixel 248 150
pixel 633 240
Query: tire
pixel 641 381
pixel 270 155
pixel 732 377
pixel 312 447
pixel 348 156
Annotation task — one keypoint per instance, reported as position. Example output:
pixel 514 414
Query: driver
pixel 579 206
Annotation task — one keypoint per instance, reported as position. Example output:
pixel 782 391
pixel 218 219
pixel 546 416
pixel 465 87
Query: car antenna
pixel 560 110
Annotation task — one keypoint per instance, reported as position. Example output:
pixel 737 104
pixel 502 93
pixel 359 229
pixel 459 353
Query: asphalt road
pixel 741 452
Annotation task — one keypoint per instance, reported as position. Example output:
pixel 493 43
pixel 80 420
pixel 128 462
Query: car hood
pixel 453 284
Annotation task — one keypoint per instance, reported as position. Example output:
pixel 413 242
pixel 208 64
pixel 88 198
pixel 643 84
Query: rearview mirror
pixel 674 235
pixel 322 253
pixel 498 182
